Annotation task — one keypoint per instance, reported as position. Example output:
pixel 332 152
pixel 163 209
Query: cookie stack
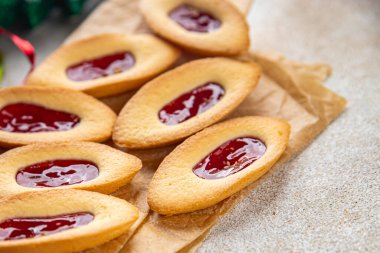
pixel 53 184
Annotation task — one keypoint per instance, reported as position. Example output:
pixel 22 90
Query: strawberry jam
pixel 191 103
pixel 193 19
pixel 28 227
pixel 31 118
pixel 57 173
pixel 101 67
pixel 230 157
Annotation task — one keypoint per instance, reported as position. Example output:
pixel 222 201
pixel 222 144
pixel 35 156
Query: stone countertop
pixel 327 199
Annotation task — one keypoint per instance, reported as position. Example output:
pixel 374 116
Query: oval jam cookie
pixel 29 227
pixel 56 173
pixel 125 63
pixel 31 118
pixel 229 158
pixel 35 114
pixel 78 165
pixel 217 162
pixel 183 101
pixel 201 99
pixel 62 221
pixel 100 67
pixel 212 27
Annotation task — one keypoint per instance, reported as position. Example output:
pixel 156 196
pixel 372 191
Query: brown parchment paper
pixel 288 90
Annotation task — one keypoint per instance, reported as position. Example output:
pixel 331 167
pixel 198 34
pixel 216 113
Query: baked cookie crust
pixel 96 119
pixel 152 56
pixel 138 125
pixel 112 217
pixel 116 168
pixel 231 38
pixel 176 189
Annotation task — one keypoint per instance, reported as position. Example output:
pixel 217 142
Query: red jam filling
pixel 21 228
pixel 57 173
pixel 191 103
pixel 193 19
pixel 101 67
pixel 30 118
pixel 230 157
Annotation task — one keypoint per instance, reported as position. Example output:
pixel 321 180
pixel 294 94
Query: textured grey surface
pixel 328 198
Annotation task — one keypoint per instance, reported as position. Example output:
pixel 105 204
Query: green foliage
pixel 31 13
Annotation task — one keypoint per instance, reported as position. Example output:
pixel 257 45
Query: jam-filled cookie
pixel 62 221
pixel 79 165
pixel 34 114
pixel 183 101
pixel 216 163
pixel 212 27
pixel 106 64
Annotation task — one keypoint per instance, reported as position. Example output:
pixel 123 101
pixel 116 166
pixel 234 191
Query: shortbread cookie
pixel 79 165
pixel 216 163
pixel 35 114
pixel 61 221
pixel 106 64
pixel 183 101
pixel 212 27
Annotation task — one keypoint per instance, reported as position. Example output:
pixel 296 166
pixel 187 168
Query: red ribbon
pixel 25 47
